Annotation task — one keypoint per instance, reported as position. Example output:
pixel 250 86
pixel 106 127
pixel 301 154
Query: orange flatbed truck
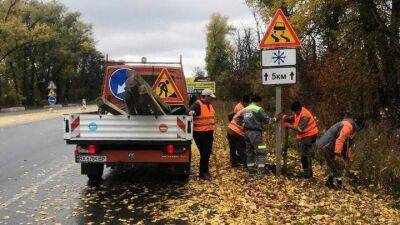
pixel 125 141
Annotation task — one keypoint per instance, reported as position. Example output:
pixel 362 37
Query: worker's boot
pixel 261 170
pixel 329 183
pixel 339 182
pixel 308 171
pixel 306 163
pixel 251 168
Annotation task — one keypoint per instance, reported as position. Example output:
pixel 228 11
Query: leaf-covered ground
pixel 235 197
pixel 147 195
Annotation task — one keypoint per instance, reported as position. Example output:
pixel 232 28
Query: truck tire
pixel 94 171
pixel 183 172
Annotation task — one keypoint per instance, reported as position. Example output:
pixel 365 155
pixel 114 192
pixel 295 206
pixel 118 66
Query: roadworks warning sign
pixel 166 88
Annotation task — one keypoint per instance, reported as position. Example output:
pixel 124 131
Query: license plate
pixel 91 158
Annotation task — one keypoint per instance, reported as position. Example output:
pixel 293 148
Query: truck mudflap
pixel 108 128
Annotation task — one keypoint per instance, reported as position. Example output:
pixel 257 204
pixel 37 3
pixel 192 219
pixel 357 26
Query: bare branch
pixel 9 9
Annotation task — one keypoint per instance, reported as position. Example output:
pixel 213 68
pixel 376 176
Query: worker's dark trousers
pixel 335 170
pixel 204 141
pixel 304 146
pixel 237 148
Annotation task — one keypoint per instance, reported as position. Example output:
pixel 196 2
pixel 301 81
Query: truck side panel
pixel 80 127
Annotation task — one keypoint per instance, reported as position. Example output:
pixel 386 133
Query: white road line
pixel 34 186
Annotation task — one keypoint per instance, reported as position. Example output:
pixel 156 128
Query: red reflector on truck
pixel 91 149
pixel 184 150
pixel 170 149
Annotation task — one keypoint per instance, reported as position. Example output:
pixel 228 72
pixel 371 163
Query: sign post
pixel 278 136
pixel 52 100
pixel 279 67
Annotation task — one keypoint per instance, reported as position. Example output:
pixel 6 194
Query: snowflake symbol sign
pixel 279 57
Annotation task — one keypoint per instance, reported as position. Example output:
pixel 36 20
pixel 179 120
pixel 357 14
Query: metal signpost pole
pixel 278 134
pixel 278 59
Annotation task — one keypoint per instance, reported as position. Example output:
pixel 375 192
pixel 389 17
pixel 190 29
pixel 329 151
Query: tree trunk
pixel 32 80
pixel 387 54
pixel 371 59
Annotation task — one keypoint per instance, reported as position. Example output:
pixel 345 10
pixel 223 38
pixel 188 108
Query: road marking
pixel 34 186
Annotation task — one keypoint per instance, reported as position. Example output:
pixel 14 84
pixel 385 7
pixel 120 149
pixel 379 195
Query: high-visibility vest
pixel 235 127
pixel 238 107
pixel 310 129
pixel 206 120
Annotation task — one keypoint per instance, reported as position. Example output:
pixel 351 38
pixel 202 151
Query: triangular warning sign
pixel 165 88
pixel 279 33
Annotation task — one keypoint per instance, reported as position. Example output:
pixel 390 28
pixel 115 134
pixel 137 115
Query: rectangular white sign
pixel 279 75
pixel 279 57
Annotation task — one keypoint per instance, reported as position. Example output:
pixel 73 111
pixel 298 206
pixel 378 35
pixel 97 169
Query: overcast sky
pixel 157 29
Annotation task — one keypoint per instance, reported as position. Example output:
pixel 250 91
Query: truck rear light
pixel 170 149
pixel 184 150
pixel 92 149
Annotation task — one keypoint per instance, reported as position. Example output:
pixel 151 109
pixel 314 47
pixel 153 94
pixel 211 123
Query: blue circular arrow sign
pixel 52 100
pixel 117 83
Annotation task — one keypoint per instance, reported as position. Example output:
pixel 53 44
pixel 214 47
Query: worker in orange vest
pixel 335 147
pixel 237 145
pixel 204 126
pixel 235 135
pixel 303 122
pixel 241 105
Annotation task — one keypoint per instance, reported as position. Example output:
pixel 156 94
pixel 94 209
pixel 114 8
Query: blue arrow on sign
pixel 117 83
pixel 52 100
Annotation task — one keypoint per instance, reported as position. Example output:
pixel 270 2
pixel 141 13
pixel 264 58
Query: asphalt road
pixel 41 184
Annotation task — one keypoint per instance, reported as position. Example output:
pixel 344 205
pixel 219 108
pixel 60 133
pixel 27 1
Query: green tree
pixel 357 38
pixel 42 42
pixel 219 50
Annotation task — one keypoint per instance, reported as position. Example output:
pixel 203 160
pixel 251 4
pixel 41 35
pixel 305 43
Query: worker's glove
pixel 278 116
pixel 340 161
pixel 287 125
pixel 192 113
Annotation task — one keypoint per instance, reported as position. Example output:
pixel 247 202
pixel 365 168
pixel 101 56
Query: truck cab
pixel 125 141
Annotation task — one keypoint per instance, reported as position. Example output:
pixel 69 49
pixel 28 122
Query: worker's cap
pixel 208 92
pixel 296 106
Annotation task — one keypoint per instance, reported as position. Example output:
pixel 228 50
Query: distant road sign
pixel 52 93
pixel 279 75
pixel 117 83
pixel 51 85
pixel 279 33
pixel 197 86
pixel 52 100
pixel 279 57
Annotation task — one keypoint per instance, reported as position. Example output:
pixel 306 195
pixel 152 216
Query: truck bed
pixel 81 128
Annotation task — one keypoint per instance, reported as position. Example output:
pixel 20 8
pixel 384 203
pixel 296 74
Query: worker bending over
pixel 335 147
pixel 303 122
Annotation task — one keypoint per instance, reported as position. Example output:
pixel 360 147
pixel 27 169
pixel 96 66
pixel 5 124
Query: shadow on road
pixel 130 197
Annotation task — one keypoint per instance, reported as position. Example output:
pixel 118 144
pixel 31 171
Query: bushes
pixel 377 156
pixel 13 99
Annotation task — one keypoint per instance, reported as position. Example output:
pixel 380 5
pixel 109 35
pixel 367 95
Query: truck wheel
pixel 183 172
pixel 94 171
